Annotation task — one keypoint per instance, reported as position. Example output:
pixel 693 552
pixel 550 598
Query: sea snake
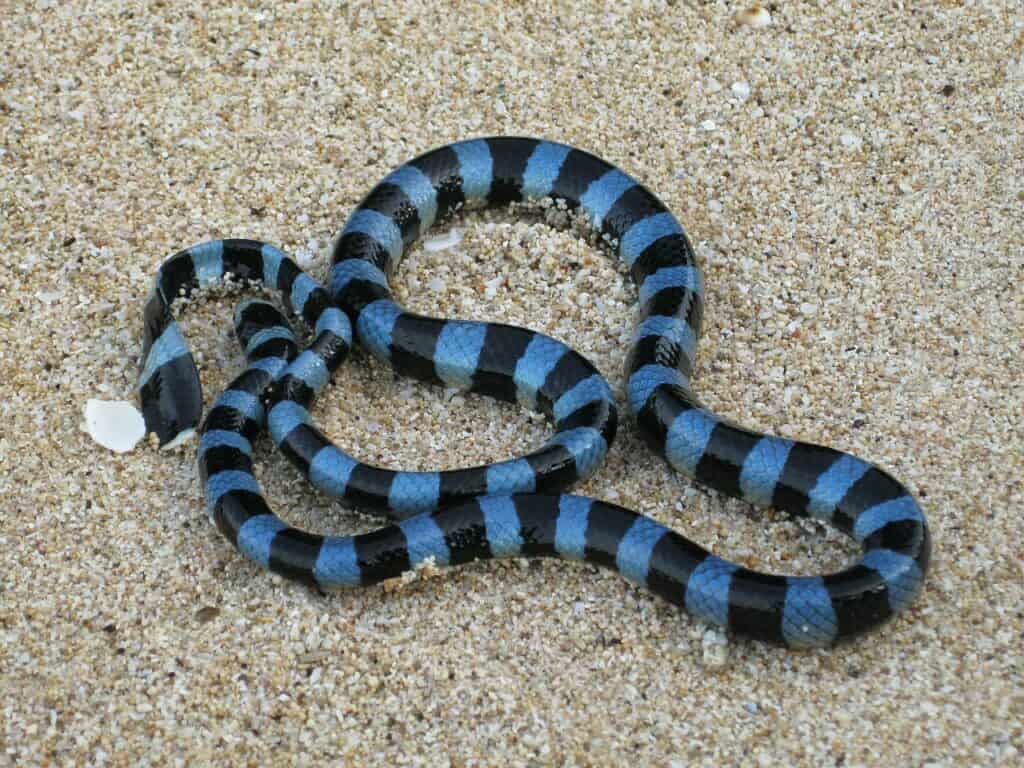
pixel 514 508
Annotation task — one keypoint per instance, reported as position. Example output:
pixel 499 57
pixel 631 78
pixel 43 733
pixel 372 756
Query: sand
pixel 852 176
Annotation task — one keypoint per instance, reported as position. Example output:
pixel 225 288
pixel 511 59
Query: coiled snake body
pixel 513 508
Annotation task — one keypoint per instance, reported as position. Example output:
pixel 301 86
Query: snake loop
pixel 512 508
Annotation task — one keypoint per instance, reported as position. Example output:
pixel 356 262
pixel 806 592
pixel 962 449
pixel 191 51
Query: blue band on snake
pixel 514 508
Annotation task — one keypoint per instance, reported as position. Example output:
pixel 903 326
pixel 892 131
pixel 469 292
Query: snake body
pixel 513 508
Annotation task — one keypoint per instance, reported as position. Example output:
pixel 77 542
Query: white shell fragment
pixel 114 424
pixel 449 239
pixel 304 256
pixel 850 140
pixel 49 297
pixel 756 16
pixel 491 287
pixel 741 90
pixel 715 648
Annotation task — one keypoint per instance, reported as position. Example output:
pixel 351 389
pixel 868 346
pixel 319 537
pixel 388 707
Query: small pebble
pixel 304 256
pixel 444 241
pixel 850 140
pixel 491 287
pixel 756 16
pixel 207 614
pixel 715 648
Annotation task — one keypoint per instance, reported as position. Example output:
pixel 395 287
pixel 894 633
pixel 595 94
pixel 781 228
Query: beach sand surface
pixel 852 178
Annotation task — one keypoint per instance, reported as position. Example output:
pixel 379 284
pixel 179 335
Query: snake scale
pixel 514 507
